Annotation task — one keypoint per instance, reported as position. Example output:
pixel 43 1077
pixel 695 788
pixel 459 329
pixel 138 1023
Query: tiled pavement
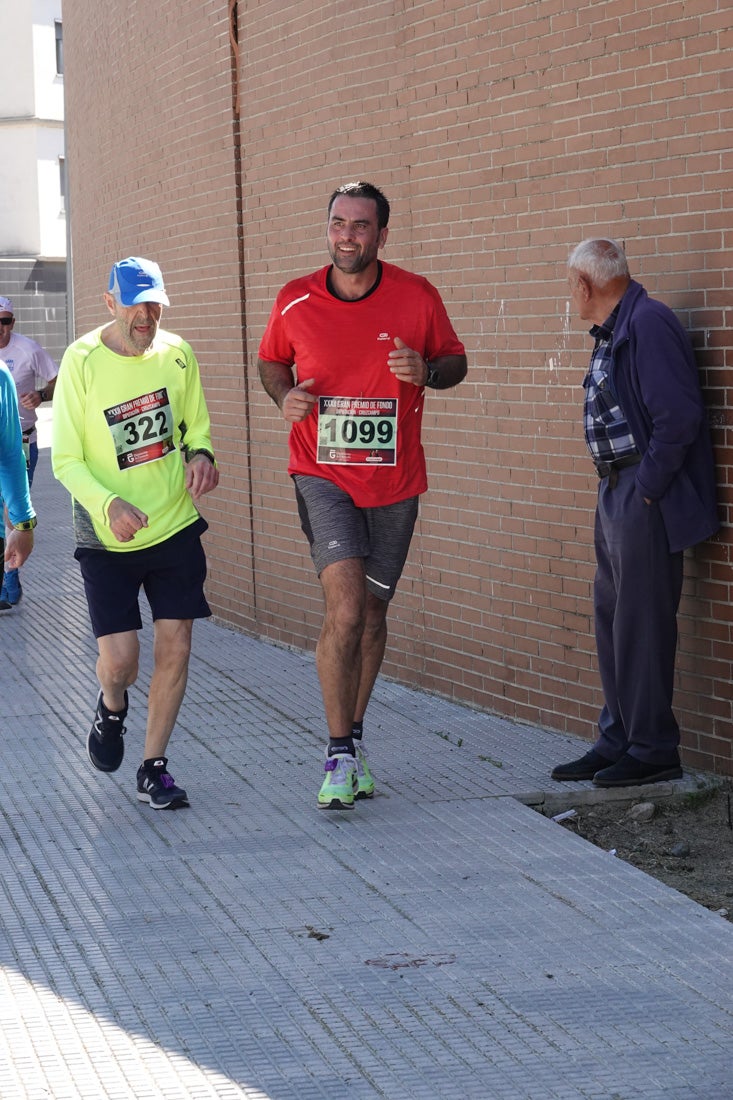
pixel 442 941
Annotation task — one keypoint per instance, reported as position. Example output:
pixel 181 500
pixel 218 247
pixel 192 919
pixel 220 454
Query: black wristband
pixel 200 451
pixel 433 380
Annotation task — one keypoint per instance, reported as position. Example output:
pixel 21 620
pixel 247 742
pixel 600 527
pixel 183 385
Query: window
pixel 62 183
pixel 59 47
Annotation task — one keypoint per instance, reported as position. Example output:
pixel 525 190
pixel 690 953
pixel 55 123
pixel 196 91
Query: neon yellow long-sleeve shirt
pixel 119 424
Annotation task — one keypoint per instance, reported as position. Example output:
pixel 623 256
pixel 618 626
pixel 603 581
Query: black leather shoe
pixel 585 768
pixel 630 772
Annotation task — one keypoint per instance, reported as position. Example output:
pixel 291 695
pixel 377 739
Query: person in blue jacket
pixel 647 433
pixel 13 481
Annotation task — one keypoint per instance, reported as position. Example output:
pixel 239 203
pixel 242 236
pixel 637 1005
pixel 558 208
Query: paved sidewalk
pixel 442 941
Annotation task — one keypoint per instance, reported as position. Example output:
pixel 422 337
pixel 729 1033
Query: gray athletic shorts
pixel 336 529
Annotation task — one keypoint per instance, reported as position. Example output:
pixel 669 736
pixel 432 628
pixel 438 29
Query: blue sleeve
pixel 13 473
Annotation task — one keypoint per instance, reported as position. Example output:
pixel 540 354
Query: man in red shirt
pixel 346 356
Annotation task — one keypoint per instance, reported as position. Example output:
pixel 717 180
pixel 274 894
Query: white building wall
pixel 17 92
pixel 52 220
pixel 32 220
pixel 20 222
pixel 49 85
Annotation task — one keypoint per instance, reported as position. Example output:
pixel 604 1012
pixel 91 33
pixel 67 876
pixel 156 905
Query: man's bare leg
pixel 171 653
pixel 117 666
pixel 373 644
pixel 338 660
pixel 338 653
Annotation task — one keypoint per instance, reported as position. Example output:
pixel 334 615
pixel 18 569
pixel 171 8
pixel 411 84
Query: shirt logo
pixel 383 336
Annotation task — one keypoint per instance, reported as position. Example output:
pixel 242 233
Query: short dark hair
pixel 358 189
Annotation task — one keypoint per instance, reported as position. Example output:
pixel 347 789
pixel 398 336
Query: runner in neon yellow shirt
pixel 117 434
pixel 132 444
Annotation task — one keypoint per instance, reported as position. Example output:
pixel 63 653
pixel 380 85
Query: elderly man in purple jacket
pixel 647 432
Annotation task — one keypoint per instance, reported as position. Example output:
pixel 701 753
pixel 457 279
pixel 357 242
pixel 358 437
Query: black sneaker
pixel 585 768
pixel 156 786
pixel 105 747
pixel 630 772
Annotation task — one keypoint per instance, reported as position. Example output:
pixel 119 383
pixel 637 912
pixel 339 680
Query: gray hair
pixel 600 259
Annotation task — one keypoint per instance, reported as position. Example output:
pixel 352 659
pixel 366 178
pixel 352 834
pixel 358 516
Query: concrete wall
pixel 503 133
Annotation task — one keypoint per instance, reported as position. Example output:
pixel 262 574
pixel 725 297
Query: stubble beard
pixel 137 343
pixel 351 265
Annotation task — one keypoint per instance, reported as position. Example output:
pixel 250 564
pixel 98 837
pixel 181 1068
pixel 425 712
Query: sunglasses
pixel 6 320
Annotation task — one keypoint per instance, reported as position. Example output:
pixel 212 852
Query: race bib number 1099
pixel 357 431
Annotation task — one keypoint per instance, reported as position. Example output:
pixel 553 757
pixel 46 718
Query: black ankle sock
pixel 338 745
pixel 154 763
pixel 357 730
pixel 105 712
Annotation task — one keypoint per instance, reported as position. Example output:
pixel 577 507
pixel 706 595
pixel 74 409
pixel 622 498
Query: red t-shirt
pixel 364 434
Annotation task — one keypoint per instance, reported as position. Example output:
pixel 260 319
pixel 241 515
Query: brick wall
pixel 503 133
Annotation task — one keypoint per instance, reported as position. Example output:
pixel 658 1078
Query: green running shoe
pixel 340 785
pixel 365 788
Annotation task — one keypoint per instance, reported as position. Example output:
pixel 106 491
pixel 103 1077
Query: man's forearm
pixel 277 379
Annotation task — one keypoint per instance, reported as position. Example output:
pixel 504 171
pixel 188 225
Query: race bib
pixel 142 429
pixel 357 431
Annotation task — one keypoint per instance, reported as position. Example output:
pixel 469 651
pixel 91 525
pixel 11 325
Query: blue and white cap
pixel 133 280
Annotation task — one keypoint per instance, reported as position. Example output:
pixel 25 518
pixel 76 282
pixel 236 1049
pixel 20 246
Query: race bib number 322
pixel 142 429
pixel 357 431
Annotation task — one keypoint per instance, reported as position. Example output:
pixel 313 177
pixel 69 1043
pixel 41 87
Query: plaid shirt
pixel 606 429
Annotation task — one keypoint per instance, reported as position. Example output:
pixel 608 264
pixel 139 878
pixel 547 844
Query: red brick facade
pixel 503 133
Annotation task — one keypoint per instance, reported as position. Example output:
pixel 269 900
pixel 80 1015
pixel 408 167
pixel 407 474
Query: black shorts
pixel 336 529
pixel 172 574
